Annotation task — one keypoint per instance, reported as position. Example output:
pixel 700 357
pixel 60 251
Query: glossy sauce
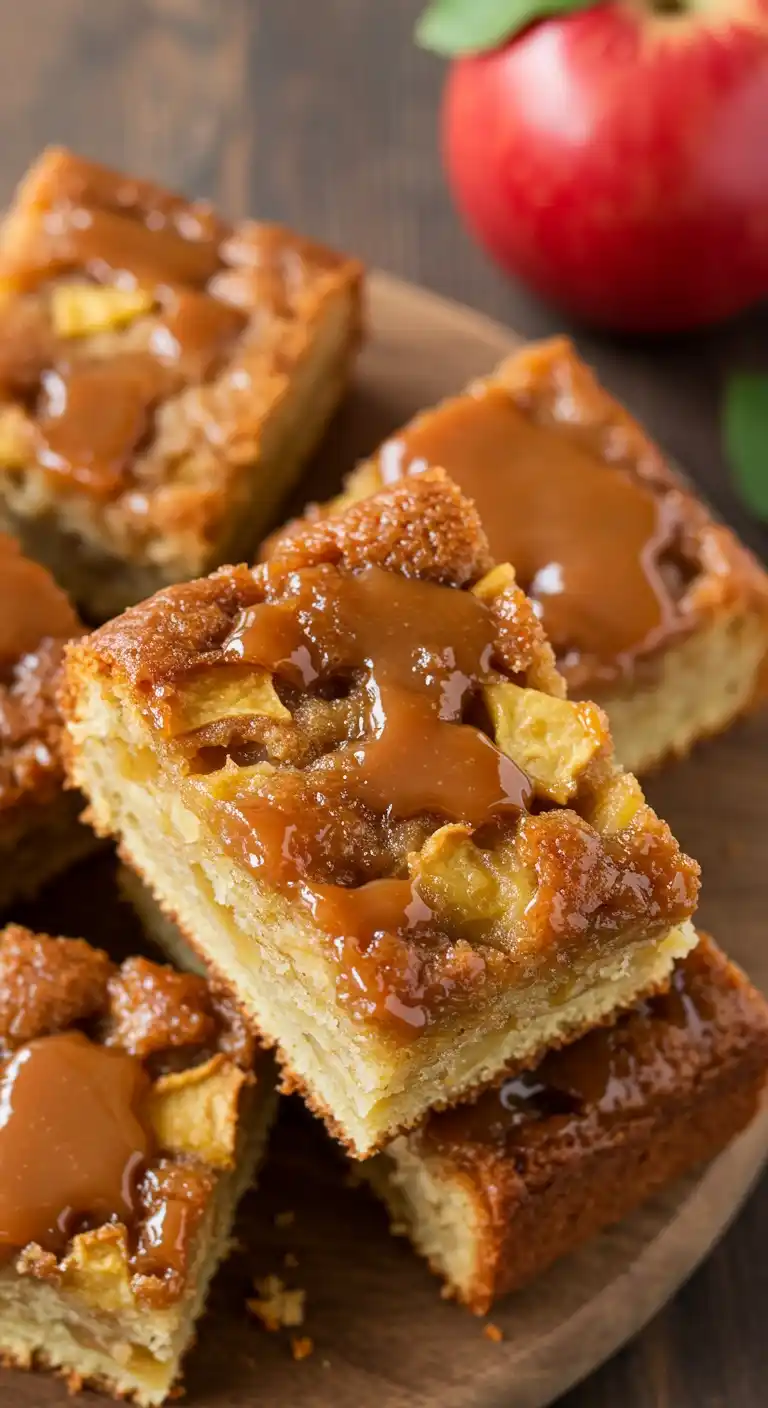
pixel 95 416
pixel 72 1141
pixel 608 1072
pixel 585 538
pixel 32 607
pixel 421 652
pixel 165 1239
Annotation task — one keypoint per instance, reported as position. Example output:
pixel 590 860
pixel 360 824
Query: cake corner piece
pixel 284 754
pixel 578 496
pixel 222 349
pixel 112 1229
pixel 493 1194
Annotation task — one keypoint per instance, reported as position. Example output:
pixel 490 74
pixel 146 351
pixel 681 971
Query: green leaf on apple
pixel 452 27
pixel 746 438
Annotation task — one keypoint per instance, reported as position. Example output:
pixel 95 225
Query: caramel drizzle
pixel 72 1140
pixel 421 651
pixel 96 415
pixel 32 607
pixel 586 538
pixel 607 1072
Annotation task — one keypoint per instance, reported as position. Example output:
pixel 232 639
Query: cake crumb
pixel 275 1305
pixel 325 1363
pixel 75 1383
pixel 301 1346
pixel 285 1219
pixel 492 1332
pixel 290 1261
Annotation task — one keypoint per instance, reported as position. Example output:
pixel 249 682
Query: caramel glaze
pixel 72 1141
pixel 587 539
pixel 32 607
pixel 94 415
pixel 603 1077
pixel 422 651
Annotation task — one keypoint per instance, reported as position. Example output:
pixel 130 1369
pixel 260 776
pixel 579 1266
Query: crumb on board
pixel 492 1332
pixel 301 1346
pixel 285 1219
pixel 275 1305
pixel 290 1260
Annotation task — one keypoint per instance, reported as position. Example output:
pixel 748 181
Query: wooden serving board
pixel 381 1332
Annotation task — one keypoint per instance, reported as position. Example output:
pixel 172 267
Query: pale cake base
pixel 89 551
pixel 700 687
pixel 366 1084
pixel 128 1351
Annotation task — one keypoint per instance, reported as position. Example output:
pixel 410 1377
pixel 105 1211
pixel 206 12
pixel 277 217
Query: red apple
pixel 616 159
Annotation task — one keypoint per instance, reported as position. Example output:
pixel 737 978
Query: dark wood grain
pixel 325 116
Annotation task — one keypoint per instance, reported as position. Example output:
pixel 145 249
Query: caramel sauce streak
pixel 72 1142
pixel 95 415
pixel 422 651
pixel 606 1073
pixel 32 607
pixel 585 538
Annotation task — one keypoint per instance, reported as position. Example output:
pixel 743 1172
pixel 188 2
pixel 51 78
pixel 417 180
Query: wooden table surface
pixel 322 114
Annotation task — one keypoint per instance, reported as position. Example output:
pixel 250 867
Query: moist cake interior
pixel 134 1121
pixel 401 935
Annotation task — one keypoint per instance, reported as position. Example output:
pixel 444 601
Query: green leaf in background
pixel 746 438
pixel 471 26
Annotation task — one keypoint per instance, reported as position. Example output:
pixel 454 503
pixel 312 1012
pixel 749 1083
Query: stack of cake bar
pixel 365 792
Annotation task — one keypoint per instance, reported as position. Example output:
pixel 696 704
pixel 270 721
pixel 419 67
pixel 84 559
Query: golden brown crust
pixel 154 1009
pixel 174 498
pixel 687 1072
pixel 31 728
pixel 47 984
pixel 639 874
pixel 172 1022
pixel 423 527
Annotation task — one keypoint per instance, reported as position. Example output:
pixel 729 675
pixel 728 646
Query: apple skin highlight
pixel 616 159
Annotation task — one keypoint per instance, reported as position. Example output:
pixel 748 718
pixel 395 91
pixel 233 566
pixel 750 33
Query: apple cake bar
pixel 163 377
pixel 134 1115
pixel 654 610
pixel 40 831
pixel 351 776
pixel 493 1193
